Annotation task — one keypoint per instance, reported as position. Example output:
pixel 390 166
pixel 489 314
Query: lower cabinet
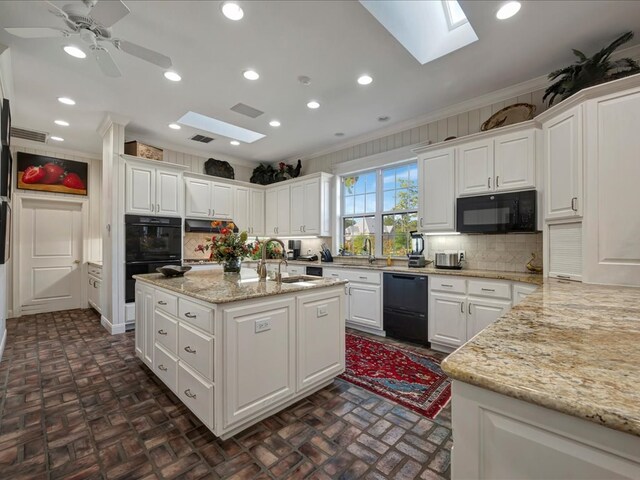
pixel 448 323
pixel 196 393
pixel 483 312
pixel 144 341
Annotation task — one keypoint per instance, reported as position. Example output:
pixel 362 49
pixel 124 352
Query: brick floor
pixel 75 403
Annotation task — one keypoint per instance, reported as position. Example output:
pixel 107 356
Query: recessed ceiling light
pixel 508 10
pixel 339 134
pixel 62 123
pixel 173 76
pixel 66 100
pixel 232 11
pixel 235 143
pixel 74 51
pixel 57 139
pixel 251 75
pixel 365 80
pixel 175 126
pixel 313 104
pixel 274 123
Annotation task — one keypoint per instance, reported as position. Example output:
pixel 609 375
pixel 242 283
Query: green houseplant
pixel 590 71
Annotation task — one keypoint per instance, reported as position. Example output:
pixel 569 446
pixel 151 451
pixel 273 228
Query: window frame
pixel 380 212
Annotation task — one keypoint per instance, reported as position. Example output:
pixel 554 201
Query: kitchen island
pixel 235 349
pixel 551 389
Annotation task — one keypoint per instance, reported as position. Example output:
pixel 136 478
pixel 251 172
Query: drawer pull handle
pixel 190 315
pixel 188 349
pixel 188 393
pixel 445 285
pixel 488 290
pixel 162 367
pixel 362 278
pixel 469 308
pixel 161 302
pixel 461 307
pixel 161 332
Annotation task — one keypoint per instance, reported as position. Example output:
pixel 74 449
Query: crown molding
pixel 109 119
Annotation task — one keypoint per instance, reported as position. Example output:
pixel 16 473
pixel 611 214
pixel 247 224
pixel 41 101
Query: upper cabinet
pixel 436 192
pixel 501 163
pixel 151 189
pixel 310 206
pixel 248 210
pixel 563 165
pixel 207 199
pixel 277 212
pixel 256 212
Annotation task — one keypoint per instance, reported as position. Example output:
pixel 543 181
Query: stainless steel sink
pixel 300 279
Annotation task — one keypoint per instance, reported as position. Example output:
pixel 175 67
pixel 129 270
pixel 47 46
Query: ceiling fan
pixel 92 21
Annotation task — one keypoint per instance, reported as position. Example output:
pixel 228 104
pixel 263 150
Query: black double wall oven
pixel 150 242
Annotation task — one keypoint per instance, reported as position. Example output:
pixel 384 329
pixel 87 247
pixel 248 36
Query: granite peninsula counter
pixel 235 349
pixel 568 347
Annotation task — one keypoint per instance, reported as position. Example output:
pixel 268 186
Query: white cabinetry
pixel 475 167
pixel 277 206
pixel 94 287
pixel 144 324
pixel 482 312
pixel 151 189
pixel 437 197
pixel 310 206
pixel 448 319
pixel 207 199
pixel 256 212
pixel 563 164
pixel 248 210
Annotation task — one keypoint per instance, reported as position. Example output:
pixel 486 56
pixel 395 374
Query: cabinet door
pixel 91 291
pixel 475 168
pixel 140 189
pixel 437 196
pixel 483 313
pixel 320 347
pixel 364 305
pixel 198 198
pixel 563 164
pixel 256 212
pixel 97 295
pixel 258 359
pixel 447 319
pixel 521 291
pixel 515 161
pixel 168 193
pixel 271 212
pixel 312 207
pixel 241 208
pixel 283 211
pixel 222 200
pixel 149 332
pixel 297 209
pixel 141 326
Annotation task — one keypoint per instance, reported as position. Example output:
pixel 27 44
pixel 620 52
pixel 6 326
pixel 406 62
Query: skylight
pixel 218 127
pixel 428 30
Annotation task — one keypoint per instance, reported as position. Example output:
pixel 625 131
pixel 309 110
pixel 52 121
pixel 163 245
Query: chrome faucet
pixel 372 257
pixel 262 264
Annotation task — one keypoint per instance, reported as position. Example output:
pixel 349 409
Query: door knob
pixel 76 261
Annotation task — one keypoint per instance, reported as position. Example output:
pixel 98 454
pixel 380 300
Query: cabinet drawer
pixel 448 284
pixel 361 276
pixel 490 289
pixel 196 393
pixel 95 271
pixel 196 349
pixel 167 302
pixel 332 273
pixel 296 270
pixel 197 315
pixel 165 366
pixel 165 331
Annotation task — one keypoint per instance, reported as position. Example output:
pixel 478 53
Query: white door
pixel 483 313
pixel 222 200
pixel 364 305
pixel 140 189
pixel 297 208
pixel 241 209
pixel 256 212
pixel 271 212
pixel 311 209
pixel 475 168
pixel 447 319
pixel 437 196
pixel 198 198
pixel 515 162
pixel 168 193
pixel 283 211
pixel 50 256
pixel 563 164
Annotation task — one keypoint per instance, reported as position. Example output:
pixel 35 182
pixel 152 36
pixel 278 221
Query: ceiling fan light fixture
pixel 232 11
pixel 173 76
pixel 74 51
pixel 62 123
pixel 508 10
pixel 66 100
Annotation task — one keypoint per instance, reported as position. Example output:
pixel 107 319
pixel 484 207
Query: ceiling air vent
pixel 243 109
pixel 25 134
pixel 201 139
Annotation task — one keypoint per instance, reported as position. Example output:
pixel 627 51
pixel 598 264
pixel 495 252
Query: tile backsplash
pixel 504 253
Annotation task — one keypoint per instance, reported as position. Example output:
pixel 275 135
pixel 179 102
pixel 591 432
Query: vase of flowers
pixel 227 247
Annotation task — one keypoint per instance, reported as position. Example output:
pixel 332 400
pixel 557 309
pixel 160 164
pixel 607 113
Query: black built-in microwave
pixel 513 212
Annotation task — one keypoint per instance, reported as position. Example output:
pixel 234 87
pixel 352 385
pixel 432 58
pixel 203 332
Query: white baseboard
pixel 110 327
pixel 362 328
pixel 3 342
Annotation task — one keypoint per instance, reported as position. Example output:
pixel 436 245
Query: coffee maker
pixel 416 258
pixel 293 250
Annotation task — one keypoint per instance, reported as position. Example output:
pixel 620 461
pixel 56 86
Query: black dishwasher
pixel 405 307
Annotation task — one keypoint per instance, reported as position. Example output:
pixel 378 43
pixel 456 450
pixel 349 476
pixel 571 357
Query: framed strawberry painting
pixel 49 174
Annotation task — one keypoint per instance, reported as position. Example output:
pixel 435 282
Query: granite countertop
pixel 570 347
pixel 214 286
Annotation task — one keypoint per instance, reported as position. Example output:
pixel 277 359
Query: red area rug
pixel 411 379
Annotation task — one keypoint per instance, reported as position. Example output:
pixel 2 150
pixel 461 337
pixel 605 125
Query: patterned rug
pixel 411 379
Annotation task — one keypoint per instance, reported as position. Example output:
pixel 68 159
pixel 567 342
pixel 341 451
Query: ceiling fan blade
pixel 106 13
pixel 143 53
pixel 105 62
pixel 37 32
pixel 57 11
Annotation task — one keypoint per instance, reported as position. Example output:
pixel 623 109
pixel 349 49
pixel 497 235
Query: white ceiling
pixel 333 42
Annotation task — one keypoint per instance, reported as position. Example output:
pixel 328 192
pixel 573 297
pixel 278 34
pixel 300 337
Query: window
pixel 386 197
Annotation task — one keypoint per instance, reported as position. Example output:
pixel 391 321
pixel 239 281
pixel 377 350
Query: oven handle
pixel 147 262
